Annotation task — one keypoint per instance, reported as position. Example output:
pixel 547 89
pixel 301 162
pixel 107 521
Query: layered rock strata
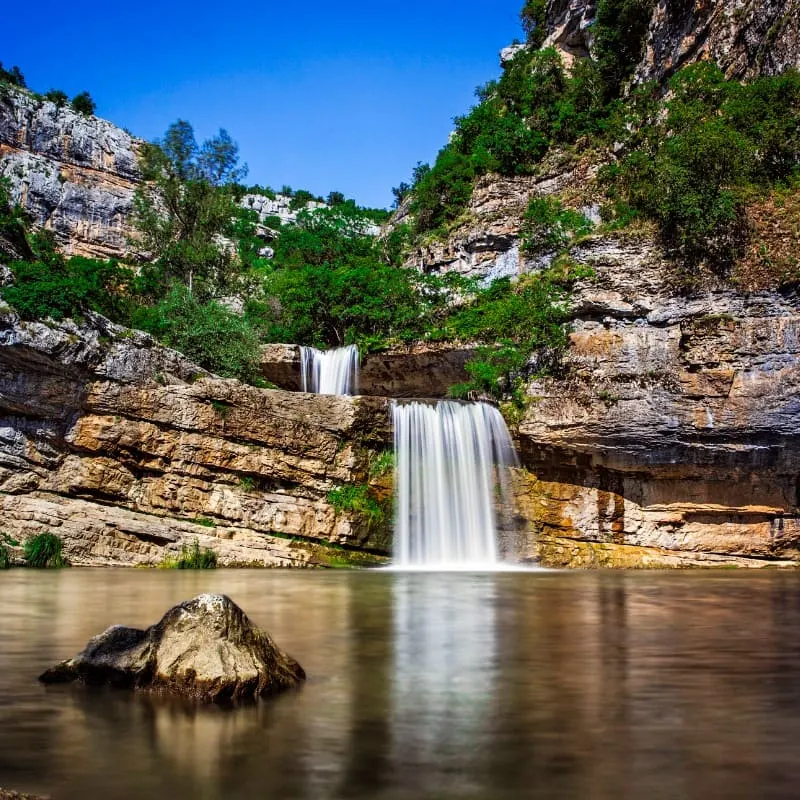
pixel 673 435
pixel 129 453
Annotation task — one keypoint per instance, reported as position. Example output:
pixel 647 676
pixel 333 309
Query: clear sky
pixel 319 95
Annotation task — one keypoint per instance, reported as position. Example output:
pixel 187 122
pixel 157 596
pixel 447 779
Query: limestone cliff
pixel 670 437
pixel 128 452
pixel 76 175
pixel 746 38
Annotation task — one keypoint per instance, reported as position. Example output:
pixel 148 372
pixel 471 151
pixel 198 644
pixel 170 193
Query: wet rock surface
pixel 205 649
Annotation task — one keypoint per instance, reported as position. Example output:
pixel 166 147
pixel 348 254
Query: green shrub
pixel 620 31
pixel 548 226
pixel 523 329
pixel 58 97
pixel 55 287
pixel 534 17
pixel 301 199
pixel 382 464
pixel 208 333
pixel 330 286
pixel 5 557
pixel 357 499
pixel 13 76
pixel 693 171
pixel 442 192
pixel 13 223
pixel 43 551
pixel 83 104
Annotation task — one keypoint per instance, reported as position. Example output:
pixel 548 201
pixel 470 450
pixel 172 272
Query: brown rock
pixel 206 649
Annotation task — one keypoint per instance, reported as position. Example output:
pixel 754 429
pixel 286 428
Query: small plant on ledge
pixel 191 558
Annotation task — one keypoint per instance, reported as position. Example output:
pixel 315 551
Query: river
pixel 493 686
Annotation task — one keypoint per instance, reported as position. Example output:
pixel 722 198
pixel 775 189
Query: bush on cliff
pixel 620 31
pixel 13 76
pixel 57 97
pixel 514 321
pixel 694 170
pixel 55 287
pixel 14 241
pixel 84 104
pixel 208 333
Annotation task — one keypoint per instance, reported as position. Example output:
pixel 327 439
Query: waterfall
pixel 450 459
pixel 331 371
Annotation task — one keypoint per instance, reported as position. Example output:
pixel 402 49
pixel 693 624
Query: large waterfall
pixel 450 463
pixel 331 371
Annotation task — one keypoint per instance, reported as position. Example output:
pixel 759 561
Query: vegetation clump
pixel 43 551
pixel 193 557
pixel 84 104
pixel 695 169
pixel 357 499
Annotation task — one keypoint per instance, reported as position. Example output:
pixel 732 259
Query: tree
pixel 185 213
pixel 335 199
pixel 534 19
pixel 58 97
pixel 400 193
pixel 13 76
pixel 83 104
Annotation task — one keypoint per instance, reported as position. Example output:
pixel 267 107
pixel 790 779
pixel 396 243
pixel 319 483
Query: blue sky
pixel 319 95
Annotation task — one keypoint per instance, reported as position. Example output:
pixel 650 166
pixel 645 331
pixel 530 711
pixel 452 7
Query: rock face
pixel 128 452
pixel 675 426
pixel 74 174
pixel 422 370
pixel 746 38
pixel 205 649
pixel 671 438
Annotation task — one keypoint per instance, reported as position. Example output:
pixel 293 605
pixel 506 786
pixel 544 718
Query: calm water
pixel 574 685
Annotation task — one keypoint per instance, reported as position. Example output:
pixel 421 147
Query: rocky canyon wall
pixel 128 453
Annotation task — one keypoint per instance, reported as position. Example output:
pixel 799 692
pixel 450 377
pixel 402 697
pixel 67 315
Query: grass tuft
pixel 43 551
pixel 191 558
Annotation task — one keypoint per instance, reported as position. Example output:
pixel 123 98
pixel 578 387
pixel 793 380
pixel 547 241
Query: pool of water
pixel 494 686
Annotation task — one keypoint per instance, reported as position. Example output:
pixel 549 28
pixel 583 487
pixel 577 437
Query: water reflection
pixel 422 685
pixel 444 675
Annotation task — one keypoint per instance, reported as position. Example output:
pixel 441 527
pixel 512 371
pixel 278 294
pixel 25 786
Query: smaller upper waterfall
pixel 330 371
pixel 450 459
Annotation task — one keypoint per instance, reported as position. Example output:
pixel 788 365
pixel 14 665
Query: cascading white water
pixel 450 459
pixel 330 371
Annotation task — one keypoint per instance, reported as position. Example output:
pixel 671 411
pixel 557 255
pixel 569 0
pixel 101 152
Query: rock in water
pixel 205 648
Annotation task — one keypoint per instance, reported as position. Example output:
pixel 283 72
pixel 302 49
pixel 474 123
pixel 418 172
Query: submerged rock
pixel 205 648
